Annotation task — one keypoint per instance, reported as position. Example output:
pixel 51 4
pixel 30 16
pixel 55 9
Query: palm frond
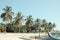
pixel 3 15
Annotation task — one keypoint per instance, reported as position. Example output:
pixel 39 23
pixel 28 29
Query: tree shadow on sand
pixel 40 38
pixel 35 37
pixel 24 38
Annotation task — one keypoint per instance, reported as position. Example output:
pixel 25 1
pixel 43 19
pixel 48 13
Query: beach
pixel 23 36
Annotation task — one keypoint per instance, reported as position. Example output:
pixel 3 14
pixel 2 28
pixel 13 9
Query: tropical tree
pixel 7 15
pixel 29 23
pixel 16 24
pixel 2 27
pixel 23 29
pixel 44 25
pixel 37 24
pixel 50 26
pixel 53 25
pixel 18 21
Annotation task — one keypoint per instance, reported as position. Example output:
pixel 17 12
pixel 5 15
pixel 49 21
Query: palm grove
pixel 15 24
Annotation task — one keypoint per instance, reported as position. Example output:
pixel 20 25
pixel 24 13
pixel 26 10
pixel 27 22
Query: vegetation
pixel 15 24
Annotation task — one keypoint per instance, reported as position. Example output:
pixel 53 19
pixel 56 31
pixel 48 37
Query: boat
pixel 54 35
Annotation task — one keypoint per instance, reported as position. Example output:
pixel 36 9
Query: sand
pixel 23 36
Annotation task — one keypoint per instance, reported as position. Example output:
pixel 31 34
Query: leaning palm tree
pixel 29 23
pixel 18 20
pixel 51 26
pixel 7 15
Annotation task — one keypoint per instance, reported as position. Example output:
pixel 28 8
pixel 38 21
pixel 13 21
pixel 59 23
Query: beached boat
pixel 54 35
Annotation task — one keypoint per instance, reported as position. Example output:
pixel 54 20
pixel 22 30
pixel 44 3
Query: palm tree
pixel 50 26
pixel 7 15
pixel 2 27
pixel 53 25
pixel 37 25
pixel 18 20
pixel 29 23
pixel 44 24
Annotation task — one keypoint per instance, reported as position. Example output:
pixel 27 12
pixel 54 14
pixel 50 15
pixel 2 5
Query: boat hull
pixel 52 38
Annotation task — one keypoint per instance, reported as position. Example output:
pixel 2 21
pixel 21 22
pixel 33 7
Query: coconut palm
pixel 7 15
pixel 29 23
pixel 18 20
pixel 44 24
pixel 53 25
pixel 50 26
pixel 2 28
pixel 38 25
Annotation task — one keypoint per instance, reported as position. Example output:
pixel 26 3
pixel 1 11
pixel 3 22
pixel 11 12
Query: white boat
pixel 54 35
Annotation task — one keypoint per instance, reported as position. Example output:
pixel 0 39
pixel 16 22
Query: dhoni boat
pixel 54 35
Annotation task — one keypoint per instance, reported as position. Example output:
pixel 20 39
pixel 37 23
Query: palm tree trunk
pixel 19 29
pixel 5 28
pixel 39 33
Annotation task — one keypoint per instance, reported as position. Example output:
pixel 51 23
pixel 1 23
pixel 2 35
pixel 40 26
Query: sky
pixel 43 9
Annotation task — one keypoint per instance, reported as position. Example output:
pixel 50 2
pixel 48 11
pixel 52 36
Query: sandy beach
pixel 23 36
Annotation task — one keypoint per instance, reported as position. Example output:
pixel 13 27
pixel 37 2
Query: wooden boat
pixel 54 35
